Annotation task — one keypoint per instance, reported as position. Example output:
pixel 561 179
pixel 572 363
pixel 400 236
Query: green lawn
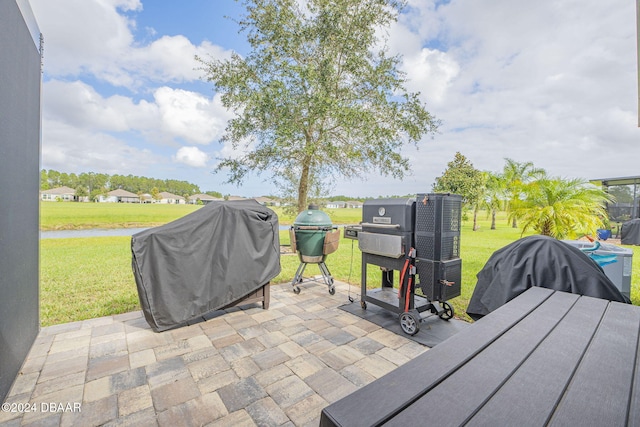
pixel 78 216
pixel 83 278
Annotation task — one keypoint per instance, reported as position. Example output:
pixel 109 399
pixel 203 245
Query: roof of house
pixel 122 193
pixel 236 198
pixel 165 195
pixel 263 199
pixel 203 197
pixel 59 191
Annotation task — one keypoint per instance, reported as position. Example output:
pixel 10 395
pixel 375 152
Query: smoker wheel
pixel 363 304
pixel 448 311
pixel 332 290
pixel 296 289
pixel 409 323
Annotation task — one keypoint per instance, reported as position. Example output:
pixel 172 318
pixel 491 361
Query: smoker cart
pixel 313 237
pixel 419 238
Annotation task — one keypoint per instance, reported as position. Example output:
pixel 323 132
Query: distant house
pixel 236 198
pixel 204 198
pixel 146 198
pixel 266 201
pixel 171 199
pixel 354 204
pixel 119 196
pixel 336 205
pixel 61 193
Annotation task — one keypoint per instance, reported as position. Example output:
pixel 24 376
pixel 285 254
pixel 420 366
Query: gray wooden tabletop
pixel 545 358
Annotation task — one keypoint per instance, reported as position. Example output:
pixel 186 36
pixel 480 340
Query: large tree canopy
pixel 317 95
pixel 461 178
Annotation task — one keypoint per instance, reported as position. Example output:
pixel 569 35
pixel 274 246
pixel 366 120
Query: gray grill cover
pixel 204 261
pixel 538 261
pixel 630 232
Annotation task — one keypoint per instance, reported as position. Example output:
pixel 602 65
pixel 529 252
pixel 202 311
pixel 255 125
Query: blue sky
pixel 550 82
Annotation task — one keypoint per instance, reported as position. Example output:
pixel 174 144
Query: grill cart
pixel 419 238
pixel 314 237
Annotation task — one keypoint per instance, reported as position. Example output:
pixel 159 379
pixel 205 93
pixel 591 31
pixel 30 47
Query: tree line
pixel 95 184
pixel 547 205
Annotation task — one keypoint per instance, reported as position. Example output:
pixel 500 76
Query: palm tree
pixel 515 176
pixel 494 195
pixel 561 208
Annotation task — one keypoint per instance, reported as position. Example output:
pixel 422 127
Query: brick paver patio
pixel 276 367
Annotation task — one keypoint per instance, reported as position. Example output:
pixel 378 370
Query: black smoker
pixel 420 238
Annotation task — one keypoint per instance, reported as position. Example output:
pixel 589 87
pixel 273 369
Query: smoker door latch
pixel 447 283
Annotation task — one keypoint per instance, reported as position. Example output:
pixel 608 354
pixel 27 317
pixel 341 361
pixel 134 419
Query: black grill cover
pixel 630 232
pixel 204 261
pixel 538 261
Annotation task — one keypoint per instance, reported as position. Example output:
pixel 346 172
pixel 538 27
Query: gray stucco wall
pixel 20 82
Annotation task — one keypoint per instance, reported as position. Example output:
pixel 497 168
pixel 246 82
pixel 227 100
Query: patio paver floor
pixel 276 367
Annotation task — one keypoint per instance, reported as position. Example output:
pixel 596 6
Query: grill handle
pixel 314 227
pixel 373 225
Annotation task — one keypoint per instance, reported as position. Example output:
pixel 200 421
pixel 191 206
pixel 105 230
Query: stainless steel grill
pixel 419 238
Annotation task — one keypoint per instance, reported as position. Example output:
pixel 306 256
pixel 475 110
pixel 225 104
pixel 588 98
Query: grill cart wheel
pixel 296 289
pixel 448 311
pixel 363 304
pixel 332 290
pixel 409 323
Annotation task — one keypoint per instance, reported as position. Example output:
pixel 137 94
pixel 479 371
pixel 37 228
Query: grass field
pixel 78 216
pixel 83 278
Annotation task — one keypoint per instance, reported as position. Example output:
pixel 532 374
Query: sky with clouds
pixel 551 82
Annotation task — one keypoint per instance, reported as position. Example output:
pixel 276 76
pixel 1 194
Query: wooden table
pixel 544 358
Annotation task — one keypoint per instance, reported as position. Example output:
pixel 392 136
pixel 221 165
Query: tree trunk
pixel 303 186
pixel 514 223
pixel 475 219
pixel 493 219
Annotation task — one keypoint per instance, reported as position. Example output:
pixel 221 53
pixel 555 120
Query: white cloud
pixel 67 148
pixel 191 116
pixel 430 72
pixel 92 37
pixel 173 115
pixel 80 105
pixel 191 156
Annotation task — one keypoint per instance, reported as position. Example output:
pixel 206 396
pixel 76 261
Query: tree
pixel 493 195
pixel 622 193
pixel 81 193
pixel 155 193
pixel 317 95
pixel 44 180
pixel 515 176
pixel 461 178
pixel 561 208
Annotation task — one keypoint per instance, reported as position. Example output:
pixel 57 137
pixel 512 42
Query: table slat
pixel 389 394
pixel 601 387
pixel 530 396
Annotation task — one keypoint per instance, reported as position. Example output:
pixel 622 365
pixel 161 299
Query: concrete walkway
pixel 276 367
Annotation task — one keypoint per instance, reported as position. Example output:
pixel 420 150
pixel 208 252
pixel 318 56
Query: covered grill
pixel 314 237
pixel 420 238
pixel 220 255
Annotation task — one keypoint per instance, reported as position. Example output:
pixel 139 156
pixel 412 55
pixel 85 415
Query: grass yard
pixel 79 216
pixel 84 278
